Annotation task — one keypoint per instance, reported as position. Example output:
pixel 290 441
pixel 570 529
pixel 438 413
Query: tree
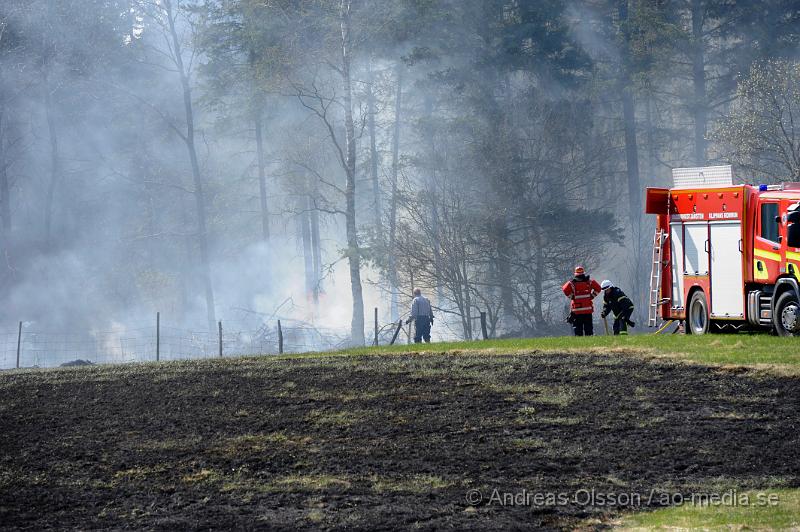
pixel 165 16
pixel 320 77
pixel 243 60
pixel 48 45
pixel 10 85
pixel 497 53
pixel 759 134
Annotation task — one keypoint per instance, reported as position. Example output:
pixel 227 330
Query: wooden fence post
pixel 280 338
pixel 19 342
pixel 158 336
pixel 220 339
pixel 483 326
pixel 376 327
pixel 396 331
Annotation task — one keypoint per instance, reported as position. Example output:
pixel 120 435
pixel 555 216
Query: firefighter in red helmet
pixel 581 289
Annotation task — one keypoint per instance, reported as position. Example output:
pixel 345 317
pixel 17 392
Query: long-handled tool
pixel 605 324
pixel 663 327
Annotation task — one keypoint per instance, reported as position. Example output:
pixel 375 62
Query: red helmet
pixel 579 270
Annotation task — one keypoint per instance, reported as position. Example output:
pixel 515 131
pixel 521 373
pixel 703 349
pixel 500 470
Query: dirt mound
pixel 78 362
pixel 383 442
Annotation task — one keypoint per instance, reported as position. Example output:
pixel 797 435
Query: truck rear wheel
pixel 787 315
pixel 697 315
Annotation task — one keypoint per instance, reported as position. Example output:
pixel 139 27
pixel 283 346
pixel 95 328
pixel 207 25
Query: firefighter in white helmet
pixel 615 301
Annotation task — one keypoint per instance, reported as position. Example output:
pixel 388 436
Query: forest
pixel 315 159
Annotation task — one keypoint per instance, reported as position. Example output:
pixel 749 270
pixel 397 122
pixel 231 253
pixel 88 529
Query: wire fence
pixel 28 347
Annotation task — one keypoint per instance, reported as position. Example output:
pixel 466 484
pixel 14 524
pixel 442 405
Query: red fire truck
pixel 725 256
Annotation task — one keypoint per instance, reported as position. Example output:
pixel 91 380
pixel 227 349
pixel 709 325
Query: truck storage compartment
pixel 695 248
pixel 727 300
pixel 676 254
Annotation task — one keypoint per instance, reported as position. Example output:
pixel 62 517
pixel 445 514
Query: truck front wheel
pixel 697 317
pixel 787 315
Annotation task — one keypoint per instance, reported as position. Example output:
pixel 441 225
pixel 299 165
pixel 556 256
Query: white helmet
pixel 606 284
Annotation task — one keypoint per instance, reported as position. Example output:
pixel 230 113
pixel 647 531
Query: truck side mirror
pixel 793 235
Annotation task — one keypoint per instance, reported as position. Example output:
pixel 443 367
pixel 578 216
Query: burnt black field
pixel 379 442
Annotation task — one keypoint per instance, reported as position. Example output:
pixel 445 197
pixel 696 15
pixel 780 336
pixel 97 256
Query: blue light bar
pixel 762 188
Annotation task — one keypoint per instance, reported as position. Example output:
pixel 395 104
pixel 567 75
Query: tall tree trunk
pixel 353 252
pixel 629 120
pixel 258 124
pixel 262 179
pixel 199 197
pixel 540 269
pixel 55 164
pixel 699 82
pixel 644 231
pixel 631 156
pixel 149 195
pixel 150 192
pixel 647 226
pixel 504 272
pixel 650 135
pixel 308 250
pixel 316 248
pixel 373 156
pixel 393 280
pixel 5 200
pixel 187 280
pixel 48 50
pixel 467 296
pixel 432 192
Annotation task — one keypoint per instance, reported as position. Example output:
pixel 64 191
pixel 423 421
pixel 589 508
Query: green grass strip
pixel 784 515
pixel 740 349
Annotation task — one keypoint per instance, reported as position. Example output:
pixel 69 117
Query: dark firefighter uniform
pixel 581 289
pixel 616 302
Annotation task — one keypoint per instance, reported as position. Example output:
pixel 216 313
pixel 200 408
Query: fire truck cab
pixel 725 256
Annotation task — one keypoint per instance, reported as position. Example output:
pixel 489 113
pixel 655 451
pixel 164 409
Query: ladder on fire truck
pixel 657 267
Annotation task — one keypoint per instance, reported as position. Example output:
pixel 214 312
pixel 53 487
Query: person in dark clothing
pixel 581 289
pixel 616 302
pixel 422 315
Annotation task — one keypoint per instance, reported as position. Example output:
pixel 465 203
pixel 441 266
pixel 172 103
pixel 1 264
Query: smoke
pixel 102 122
pixel 510 107
pixel 588 30
pixel 102 131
